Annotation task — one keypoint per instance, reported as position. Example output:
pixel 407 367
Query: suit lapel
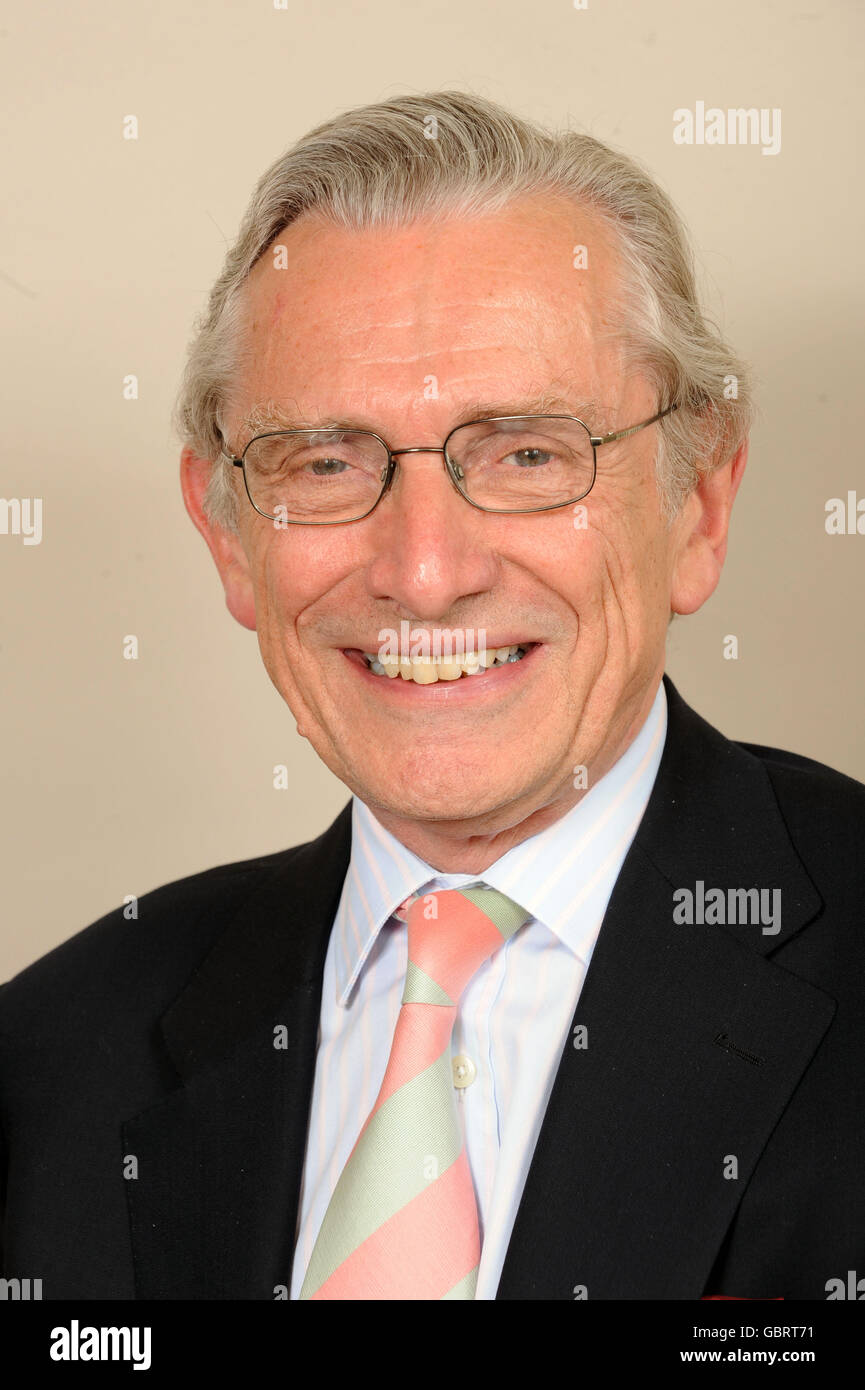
pixel 213 1208
pixel 695 1043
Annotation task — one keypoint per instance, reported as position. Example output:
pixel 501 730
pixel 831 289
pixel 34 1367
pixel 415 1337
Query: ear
pixel 225 546
pixel 704 523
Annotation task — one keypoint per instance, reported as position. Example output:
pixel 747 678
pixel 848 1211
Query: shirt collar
pixel 563 876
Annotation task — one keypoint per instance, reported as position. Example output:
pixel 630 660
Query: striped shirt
pixel 514 1016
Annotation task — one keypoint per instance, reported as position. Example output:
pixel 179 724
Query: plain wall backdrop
pixel 121 775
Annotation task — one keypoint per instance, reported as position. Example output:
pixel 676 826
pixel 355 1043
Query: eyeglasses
pixel 510 463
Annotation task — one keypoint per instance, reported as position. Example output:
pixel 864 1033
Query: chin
pixel 411 797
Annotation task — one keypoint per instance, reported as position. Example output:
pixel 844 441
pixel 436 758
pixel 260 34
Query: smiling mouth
pixel 430 670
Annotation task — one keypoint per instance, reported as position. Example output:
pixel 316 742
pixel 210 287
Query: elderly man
pixel 563 1004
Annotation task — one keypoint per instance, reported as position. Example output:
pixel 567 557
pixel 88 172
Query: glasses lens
pixel 520 464
pixel 322 475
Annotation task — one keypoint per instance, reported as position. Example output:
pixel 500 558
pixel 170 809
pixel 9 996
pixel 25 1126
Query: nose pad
pixel 388 473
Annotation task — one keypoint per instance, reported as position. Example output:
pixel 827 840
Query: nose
pixel 432 549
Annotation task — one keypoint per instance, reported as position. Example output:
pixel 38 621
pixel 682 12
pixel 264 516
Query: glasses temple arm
pixel 597 440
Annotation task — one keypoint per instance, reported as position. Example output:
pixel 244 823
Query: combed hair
pixel 376 165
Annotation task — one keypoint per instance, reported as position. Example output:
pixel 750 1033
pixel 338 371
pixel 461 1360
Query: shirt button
pixel 464 1071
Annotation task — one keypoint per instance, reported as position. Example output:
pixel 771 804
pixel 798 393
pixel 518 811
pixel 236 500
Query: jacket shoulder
pixel 119 963
pixel 801 780
pixel 824 813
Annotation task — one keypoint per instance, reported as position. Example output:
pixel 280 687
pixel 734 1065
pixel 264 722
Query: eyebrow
pixel 268 415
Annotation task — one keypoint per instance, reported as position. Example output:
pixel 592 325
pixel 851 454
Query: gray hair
pixel 378 165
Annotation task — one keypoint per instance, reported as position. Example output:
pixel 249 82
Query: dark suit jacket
pixel 154 1040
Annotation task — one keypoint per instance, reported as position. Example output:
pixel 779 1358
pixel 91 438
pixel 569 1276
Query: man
pixel 563 1004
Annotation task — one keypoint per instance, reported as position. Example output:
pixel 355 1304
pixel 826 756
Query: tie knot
pixel 450 934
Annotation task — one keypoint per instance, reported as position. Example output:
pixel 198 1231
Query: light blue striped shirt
pixel 515 1015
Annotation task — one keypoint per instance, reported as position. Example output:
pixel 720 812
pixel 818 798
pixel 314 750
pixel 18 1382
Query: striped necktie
pixel 403 1222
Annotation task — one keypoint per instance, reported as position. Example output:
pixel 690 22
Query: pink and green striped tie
pixel 403 1222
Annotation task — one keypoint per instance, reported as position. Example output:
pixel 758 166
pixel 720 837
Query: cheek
pixel 591 564
pixel 296 573
pixel 617 570
pixel 279 594
pixel 285 572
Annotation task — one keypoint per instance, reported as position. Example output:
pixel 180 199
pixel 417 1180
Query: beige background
pixel 122 775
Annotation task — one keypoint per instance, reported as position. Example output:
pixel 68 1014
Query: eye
pixel 530 457
pixel 327 467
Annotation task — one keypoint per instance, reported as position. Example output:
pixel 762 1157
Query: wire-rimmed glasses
pixel 329 475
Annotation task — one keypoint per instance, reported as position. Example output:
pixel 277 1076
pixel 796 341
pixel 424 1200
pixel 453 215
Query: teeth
pixel 423 670
pixel 427 670
pixel 449 670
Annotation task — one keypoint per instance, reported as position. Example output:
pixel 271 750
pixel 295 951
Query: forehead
pixel 489 307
